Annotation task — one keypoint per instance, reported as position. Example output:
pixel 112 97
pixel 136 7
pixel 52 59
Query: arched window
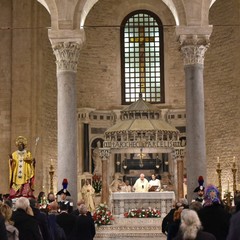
pixel 142 57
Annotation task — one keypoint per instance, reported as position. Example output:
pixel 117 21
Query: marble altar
pixel 123 201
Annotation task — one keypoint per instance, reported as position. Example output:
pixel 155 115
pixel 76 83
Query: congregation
pixel 205 218
pixel 46 218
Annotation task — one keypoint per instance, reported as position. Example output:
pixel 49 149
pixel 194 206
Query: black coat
pixel 56 232
pixel 3 231
pixel 67 222
pixel 85 228
pixel 200 236
pixel 41 218
pixel 234 230
pixel 167 221
pixel 27 225
pixel 215 219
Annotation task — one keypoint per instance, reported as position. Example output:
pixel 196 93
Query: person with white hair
pixel 141 185
pixel 12 232
pixel 25 222
pixel 191 228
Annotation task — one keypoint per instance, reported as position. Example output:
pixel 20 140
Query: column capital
pixel 194 42
pixel 193 48
pixel 66 45
pixel 105 153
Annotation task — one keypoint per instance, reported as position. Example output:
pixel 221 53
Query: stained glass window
pixel 142 57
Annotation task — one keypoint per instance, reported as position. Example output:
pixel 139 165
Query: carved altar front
pixel 123 201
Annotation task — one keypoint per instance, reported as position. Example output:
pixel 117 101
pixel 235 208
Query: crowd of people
pixel 28 219
pixel 205 218
pixel 45 218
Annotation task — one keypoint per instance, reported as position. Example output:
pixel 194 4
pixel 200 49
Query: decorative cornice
pixel 67 55
pixel 193 48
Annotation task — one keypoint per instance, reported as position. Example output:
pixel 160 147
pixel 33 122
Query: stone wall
pixel 5 88
pixel 222 88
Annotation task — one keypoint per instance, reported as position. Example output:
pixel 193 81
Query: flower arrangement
pixel 102 216
pixel 97 183
pixel 143 213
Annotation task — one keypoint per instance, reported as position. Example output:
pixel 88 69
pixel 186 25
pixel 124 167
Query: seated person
pixel 126 187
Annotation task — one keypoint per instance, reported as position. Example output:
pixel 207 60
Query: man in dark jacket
pixel 26 224
pixel 65 220
pixel 214 218
pixel 234 230
pixel 41 218
pixel 85 228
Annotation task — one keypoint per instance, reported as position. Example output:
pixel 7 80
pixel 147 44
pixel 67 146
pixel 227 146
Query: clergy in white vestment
pixel 126 187
pixel 141 185
pixel 154 182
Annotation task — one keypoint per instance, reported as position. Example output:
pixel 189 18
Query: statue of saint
pixel 97 161
pixel 88 195
pixel 21 170
pixel 116 184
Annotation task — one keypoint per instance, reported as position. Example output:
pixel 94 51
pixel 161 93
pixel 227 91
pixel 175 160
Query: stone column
pixel 67 54
pixel 86 147
pixel 105 154
pixel 193 48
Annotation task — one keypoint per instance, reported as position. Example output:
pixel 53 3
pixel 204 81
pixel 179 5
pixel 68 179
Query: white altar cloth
pixel 123 201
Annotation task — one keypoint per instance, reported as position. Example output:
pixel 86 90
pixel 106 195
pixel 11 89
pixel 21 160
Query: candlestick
pixel 51 173
pixel 234 171
pixel 219 171
pixel 228 185
pixel 218 163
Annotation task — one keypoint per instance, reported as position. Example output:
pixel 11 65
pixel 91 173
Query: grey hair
pixel 82 209
pixel 22 203
pixel 190 224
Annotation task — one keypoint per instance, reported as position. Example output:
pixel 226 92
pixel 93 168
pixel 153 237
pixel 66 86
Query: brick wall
pixel 222 88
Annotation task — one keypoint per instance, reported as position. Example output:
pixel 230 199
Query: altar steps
pixel 131 228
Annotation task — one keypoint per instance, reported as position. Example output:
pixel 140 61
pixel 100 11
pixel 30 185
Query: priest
pixel 141 185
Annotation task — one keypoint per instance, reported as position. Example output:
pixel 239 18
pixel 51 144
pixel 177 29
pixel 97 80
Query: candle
pixel 217 159
pixel 228 185
pixel 234 159
pixel 51 161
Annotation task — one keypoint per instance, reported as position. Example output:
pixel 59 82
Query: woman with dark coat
pixel 214 218
pixel 3 231
pixel 191 229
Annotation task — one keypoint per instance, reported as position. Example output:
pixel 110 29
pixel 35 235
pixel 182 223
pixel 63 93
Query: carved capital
pixel 105 153
pixel 67 55
pixel 193 48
